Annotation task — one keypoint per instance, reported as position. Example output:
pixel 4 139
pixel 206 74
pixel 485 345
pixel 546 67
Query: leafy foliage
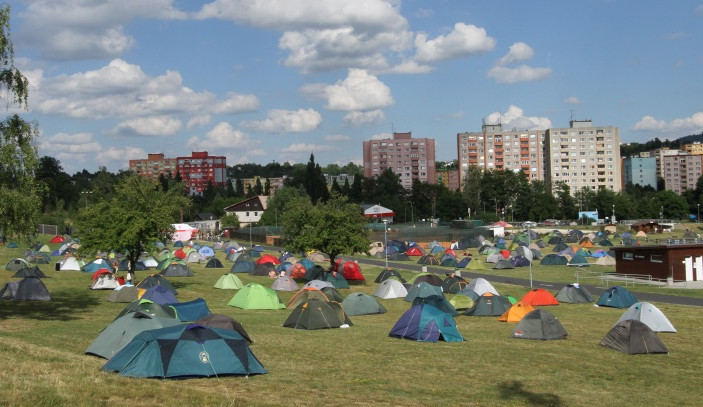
pixel 334 227
pixel 139 214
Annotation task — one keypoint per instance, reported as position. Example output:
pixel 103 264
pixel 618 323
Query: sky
pixel 259 81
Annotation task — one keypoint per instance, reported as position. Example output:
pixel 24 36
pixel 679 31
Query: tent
pixel 30 272
pixel 206 251
pixel 57 239
pixel 425 323
pixel 415 251
pixel 362 304
pixel 516 312
pixel 256 296
pixel 503 264
pixel 616 297
pixel 350 270
pixel 69 264
pixel 185 351
pixel 539 324
pixel 17 264
pixel 390 288
pixel 317 314
pixel 454 284
pixel 554 260
pixel 649 315
pixel 122 330
pixel 305 294
pixel 578 261
pixel 476 264
pixel 176 270
pixel 428 278
pixel 538 297
pixel 481 286
pixel 264 269
pixel 159 294
pixel 319 284
pixel 423 289
pixel 284 283
pixel 105 281
pixel 633 337
pixel 26 289
pixel 191 310
pixel 388 273
pixel 489 305
pixel 124 293
pixel 606 260
pixel 428 260
pixel 150 308
pixel 318 257
pixel 438 301
pixel 156 279
pixel 243 265
pixel 229 282
pixel 214 263
pixel 461 302
pixel 223 322
pixel 574 294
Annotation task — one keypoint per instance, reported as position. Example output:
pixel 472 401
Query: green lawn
pixel 42 345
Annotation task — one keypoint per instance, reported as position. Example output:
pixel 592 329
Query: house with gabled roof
pixel 248 211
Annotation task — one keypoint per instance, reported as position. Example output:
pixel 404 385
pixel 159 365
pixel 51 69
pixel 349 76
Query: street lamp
pixel 612 219
pixel 385 239
pixel 698 214
pixel 251 242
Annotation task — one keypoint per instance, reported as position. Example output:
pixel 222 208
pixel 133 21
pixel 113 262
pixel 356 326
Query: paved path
pixel 596 291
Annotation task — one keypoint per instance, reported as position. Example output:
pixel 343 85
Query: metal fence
pixel 48 230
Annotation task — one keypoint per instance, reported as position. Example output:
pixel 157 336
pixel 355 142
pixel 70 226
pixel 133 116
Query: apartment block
pixel 449 178
pixel 496 149
pixel 154 166
pixel 681 172
pixel 659 154
pixel 199 169
pixel 640 171
pixel 584 156
pixel 409 158
pixel 693 148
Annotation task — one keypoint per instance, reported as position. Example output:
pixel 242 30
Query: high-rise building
pixel 154 166
pixel 449 178
pixel 681 172
pixel 584 156
pixel 659 154
pixel 199 169
pixel 640 171
pixel 496 149
pixel 693 148
pixel 409 158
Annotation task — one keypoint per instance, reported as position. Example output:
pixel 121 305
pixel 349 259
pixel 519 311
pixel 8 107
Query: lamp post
pixel 698 214
pixel 661 213
pixel 385 239
pixel 251 242
pixel 612 218
pixel 528 248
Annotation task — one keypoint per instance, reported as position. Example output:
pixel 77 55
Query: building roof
pixel 205 216
pixel 255 203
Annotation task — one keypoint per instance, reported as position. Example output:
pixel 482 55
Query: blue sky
pixel 264 80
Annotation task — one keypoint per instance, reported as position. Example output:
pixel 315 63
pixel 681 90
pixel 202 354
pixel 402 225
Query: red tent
pixel 267 258
pixel 100 272
pixel 57 239
pixel 350 270
pixel 297 271
pixel 450 251
pixel 180 254
pixel 539 296
pixel 414 251
pixel 505 253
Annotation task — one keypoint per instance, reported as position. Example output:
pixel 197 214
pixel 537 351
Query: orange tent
pixel 587 243
pixel 297 271
pixel 539 296
pixel 516 312
pixel 267 258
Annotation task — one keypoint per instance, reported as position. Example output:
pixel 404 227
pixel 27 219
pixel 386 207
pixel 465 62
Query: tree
pixel 314 182
pixel 139 214
pixel 472 188
pixel 334 227
pixel 258 188
pixel 276 204
pixel 228 221
pixel 267 187
pixel 12 82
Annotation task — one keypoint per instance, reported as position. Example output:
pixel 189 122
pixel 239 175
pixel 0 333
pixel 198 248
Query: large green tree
pixel 138 214
pixel 334 227
pixel 20 192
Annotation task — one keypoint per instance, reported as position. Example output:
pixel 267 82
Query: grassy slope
pixel 42 344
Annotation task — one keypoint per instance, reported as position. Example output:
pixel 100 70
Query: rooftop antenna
pixel 572 114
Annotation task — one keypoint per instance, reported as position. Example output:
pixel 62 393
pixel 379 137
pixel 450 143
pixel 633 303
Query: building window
pixel 627 256
pixel 656 258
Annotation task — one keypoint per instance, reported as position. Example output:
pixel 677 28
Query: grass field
pixel 42 359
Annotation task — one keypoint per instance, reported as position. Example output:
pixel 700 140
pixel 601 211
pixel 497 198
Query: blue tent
pixel 423 289
pixel 160 295
pixel 616 297
pixel 425 323
pixel 307 263
pixel 191 310
pixel 206 251
pixel 242 266
pixel 464 262
pixel 184 351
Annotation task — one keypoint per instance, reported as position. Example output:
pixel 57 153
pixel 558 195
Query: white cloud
pixel 337 138
pixel 69 30
pixel 223 136
pixel 691 123
pixel 522 73
pixel 573 100
pixel 199 121
pixel 515 118
pixel 119 156
pixel 76 150
pixel 462 41
pixel 519 52
pixel 121 89
pixel 358 91
pixel 155 126
pixel 358 118
pixel 306 148
pixel 287 121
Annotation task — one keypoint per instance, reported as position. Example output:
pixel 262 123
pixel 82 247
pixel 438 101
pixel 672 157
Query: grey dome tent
pixel 489 305
pixel 649 315
pixel 214 263
pixel 27 289
pixel 176 270
pixel 481 286
pixel 423 289
pixel 156 279
pixel 17 264
pixel 317 314
pixel 284 283
pixel 439 302
pixel 30 272
pixel 574 294
pixel 539 324
pixel 633 337
pixel 390 288
pixel 362 304
pixel 388 273
pixel 224 322
pixel 124 293
pixel 554 260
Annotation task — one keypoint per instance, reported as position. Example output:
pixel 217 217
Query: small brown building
pixel 683 262
pixel 646 226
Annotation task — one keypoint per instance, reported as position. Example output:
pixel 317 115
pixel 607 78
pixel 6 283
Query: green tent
pixel 423 289
pixel 489 305
pixel 229 281
pixel 362 304
pixel 574 294
pixel 461 302
pixel 150 308
pixel 388 273
pixel 256 296
pixel 578 261
pixel 121 331
pixel 317 314
pixel 454 284
pixel 539 324
pixel 476 264
pixel 554 260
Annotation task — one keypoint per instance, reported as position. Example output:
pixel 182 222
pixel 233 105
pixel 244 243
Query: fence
pixel 47 230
